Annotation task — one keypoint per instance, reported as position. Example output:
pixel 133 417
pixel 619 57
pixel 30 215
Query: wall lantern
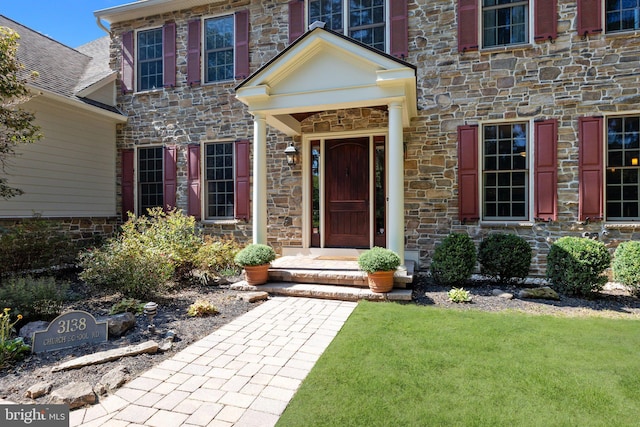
pixel 291 154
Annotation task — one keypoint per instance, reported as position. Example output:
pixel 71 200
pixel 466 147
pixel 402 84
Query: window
pixel 150 178
pixel 505 171
pixel 149 57
pixel 219 43
pixel 364 19
pixel 622 15
pixel 623 169
pixel 219 173
pixel 504 22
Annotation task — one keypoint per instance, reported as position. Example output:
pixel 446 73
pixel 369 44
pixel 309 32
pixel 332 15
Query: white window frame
pixel 205 181
pixel 529 30
pixel 136 176
pixel 203 50
pixel 136 72
pixel 625 31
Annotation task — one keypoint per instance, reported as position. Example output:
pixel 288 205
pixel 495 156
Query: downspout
pixel 101 25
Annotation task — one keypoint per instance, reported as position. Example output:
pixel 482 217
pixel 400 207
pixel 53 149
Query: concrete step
pixel 307 290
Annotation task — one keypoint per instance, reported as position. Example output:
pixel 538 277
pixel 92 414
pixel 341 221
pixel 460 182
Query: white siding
pixel 70 172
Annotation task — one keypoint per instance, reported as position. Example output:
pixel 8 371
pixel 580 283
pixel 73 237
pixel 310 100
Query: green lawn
pixel 404 365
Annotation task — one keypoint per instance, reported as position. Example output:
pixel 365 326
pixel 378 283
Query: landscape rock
pixel 253 296
pixel 112 380
pixel 502 294
pixel 107 356
pixel 26 332
pixel 74 394
pixel 544 292
pixel 167 341
pixel 39 389
pixel 120 323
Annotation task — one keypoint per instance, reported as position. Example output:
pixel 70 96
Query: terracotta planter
pixel 257 274
pixel 381 281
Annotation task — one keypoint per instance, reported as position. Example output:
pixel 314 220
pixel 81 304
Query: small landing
pixel 342 293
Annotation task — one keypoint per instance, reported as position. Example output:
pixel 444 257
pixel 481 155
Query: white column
pixel 259 179
pixel 396 181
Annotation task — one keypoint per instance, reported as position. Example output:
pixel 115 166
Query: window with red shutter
pixel 590 192
pixel 193 52
pixel 242 193
pixel 169 53
pixel 242 45
pixel 468 206
pixel 546 170
pixel 589 19
pixel 545 20
pixel 467 25
pixel 127 62
pixel 127 183
pixel 193 181
pixel 296 19
pixel 399 30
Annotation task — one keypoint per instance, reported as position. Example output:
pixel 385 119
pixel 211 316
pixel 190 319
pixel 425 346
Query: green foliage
pixel 34 243
pixel 145 255
pixel 216 256
pixel 626 265
pixel 11 349
pixel 459 295
pixel 201 308
pixel 255 254
pixel 453 260
pixel 504 257
pixel 130 305
pixel 16 125
pixel 378 259
pixel 575 265
pixel 34 298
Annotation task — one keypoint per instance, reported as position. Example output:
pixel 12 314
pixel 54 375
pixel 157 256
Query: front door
pixel 347 216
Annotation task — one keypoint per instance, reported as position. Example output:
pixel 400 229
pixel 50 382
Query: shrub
pixel 216 256
pixel 130 305
pixel 504 257
pixel 255 254
pixel 378 259
pixel 453 260
pixel 575 265
pixel 201 308
pixel 11 349
pixel 34 243
pixel 34 298
pixel 459 295
pixel 626 265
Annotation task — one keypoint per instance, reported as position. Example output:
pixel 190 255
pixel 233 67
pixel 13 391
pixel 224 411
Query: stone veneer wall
pixel 569 78
pixel 81 230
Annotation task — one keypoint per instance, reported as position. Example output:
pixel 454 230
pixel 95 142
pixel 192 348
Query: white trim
pixel 529 30
pixel 136 180
pixel 36 91
pixel 136 59
pixel 203 47
pixel 204 200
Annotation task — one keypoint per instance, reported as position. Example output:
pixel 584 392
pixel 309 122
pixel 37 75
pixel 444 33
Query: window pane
pixel 504 22
pixel 150 59
pixel 150 182
pixel 219 39
pixel 327 11
pixel 623 168
pixel 622 15
pixel 220 180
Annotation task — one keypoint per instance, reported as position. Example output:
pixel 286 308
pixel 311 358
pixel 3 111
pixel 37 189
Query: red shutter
pixel 170 177
pixel 296 19
pixel 242 180
pixel 545 20
pixel 242 44
pixel 128 201
pixel 467 25
pixel 127 62
pixel 193 52
pixel 399 30
pixel 169 54
pixel 591 190
pixel 589 17
pixel 545 170
pixel 193 180
pixel 468 206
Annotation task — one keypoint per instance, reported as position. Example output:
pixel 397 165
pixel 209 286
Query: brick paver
pixel 243 374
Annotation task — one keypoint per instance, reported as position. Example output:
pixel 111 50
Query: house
pixel 70 174
pixel 320 126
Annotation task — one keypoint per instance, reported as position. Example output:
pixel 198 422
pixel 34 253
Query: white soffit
pixel 144 8
pixel 324 71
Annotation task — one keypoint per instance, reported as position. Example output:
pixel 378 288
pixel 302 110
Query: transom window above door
pixel 364 20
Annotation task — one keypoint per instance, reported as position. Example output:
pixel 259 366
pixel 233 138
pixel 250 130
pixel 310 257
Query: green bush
pixel 459 295
pixel 626 265
pixel 255 254
pixel 125 305
pixel 34 243
pixel 378 259
pixel 575 265
pixel 11 349
pixel 202 308
pixel 453 260
pixel 504 257
pixel 33 298
pixel 216 256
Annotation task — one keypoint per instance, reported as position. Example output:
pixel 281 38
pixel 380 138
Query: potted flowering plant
pixel 256 259
pixel 380 264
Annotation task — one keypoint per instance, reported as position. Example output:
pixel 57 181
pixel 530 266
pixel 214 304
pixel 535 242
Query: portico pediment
pixel 323 70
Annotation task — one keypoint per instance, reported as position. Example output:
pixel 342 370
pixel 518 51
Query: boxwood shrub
pixel 453 260
pixel 626 265
pixel 504 257
pixel 575 265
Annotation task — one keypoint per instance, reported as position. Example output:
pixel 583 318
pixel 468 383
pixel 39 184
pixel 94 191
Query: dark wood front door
pixel 347 216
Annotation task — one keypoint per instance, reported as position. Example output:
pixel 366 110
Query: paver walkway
pixel 243 374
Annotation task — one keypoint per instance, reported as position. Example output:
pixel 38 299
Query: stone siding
pixel 566 79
